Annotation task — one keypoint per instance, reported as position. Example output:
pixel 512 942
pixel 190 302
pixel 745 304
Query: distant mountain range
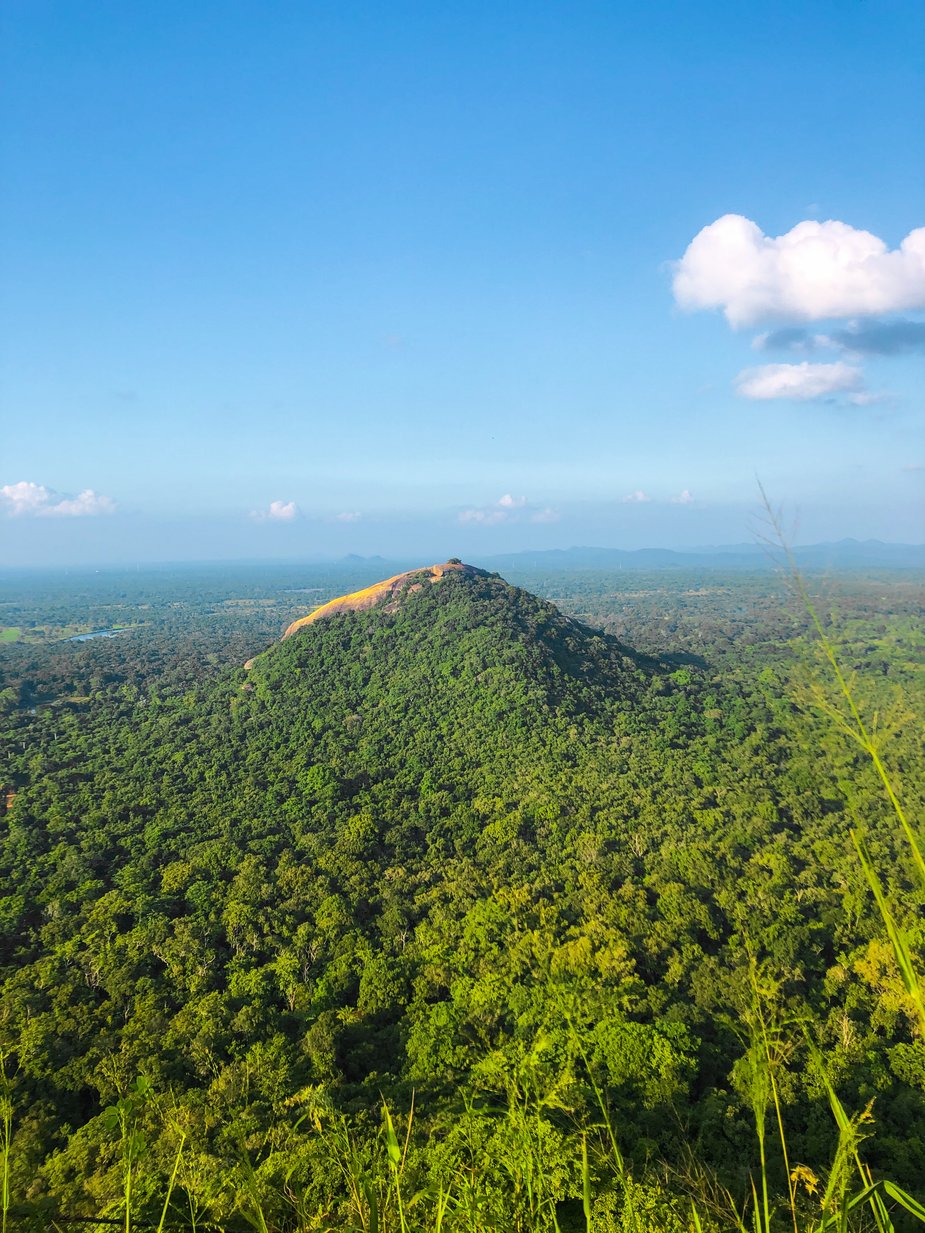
pixel 844 554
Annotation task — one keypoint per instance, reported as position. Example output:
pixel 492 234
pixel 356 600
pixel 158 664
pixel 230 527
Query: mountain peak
pixel 443 648
pixel 386 592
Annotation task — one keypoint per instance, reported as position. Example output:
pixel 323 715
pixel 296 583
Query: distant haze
pixel 127 541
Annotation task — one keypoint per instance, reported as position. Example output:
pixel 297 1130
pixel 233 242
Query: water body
pixel 97 633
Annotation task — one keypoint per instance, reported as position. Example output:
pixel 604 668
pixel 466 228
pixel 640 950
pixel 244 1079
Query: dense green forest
pixel 488 911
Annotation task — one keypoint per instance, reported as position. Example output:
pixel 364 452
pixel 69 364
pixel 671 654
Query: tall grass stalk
pixel 912 981
pixel 585 1183
pixel 124 1117
pixel 252 1210
pixel 173 1180
pixel 849 1139
pixel 765 1054
pixel 397 1157
pixel 630 1214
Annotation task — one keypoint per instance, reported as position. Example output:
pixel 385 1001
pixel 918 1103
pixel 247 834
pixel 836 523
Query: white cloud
pixel 865 398
pixel 278 511
pixel 685 497
pixel 484 517
pixel 27 499
pixel 283 511
pixel 24 498
pixel 88 504
pixel 636 498
pixel 503 510
pixel 801 382
pixel 547 514
pixel 813 272
pixel 348 516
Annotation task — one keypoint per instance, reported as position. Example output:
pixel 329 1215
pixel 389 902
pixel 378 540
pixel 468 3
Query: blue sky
pixel 310 278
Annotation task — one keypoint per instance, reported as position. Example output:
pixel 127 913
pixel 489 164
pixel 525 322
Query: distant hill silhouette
pixel 843 554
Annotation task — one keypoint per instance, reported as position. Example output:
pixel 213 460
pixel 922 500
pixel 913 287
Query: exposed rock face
pixel 388 593
pixel 384 592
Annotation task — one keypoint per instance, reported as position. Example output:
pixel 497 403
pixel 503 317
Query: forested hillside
pixel 465 853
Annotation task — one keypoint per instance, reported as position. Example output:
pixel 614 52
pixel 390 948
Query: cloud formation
pixel 801 382
pixel 350 515
pixel 813 272
pixel 636 498
pixel 507 508
pixel 278 511
pixel 26 499
pixel 87 504
pixel 485 517
pixel 685 497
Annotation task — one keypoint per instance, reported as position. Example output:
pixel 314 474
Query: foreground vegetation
pixel 467 918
